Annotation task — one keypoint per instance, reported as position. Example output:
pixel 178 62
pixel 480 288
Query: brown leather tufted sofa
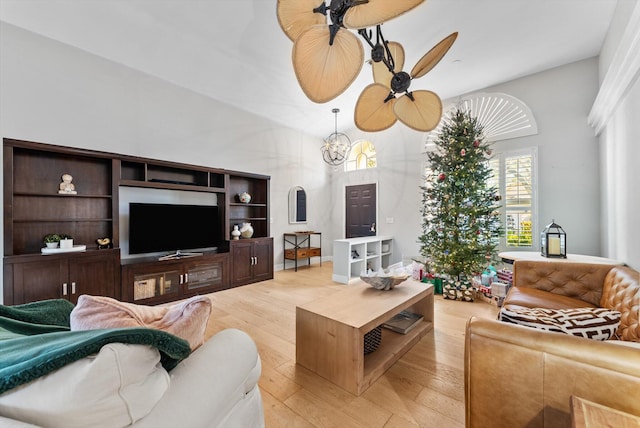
pixel 520 377
pixel 560 285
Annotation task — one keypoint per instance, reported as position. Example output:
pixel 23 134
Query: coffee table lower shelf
pixel 392 347
pixel 330 332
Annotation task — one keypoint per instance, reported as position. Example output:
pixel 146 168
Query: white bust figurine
pixel 67 187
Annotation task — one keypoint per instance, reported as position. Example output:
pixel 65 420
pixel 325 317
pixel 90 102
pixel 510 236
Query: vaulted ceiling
pixel 234 50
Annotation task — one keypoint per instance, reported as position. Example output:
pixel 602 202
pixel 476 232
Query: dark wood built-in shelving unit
pixel 33 208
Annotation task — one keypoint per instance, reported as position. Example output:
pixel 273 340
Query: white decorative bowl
pixel 384 282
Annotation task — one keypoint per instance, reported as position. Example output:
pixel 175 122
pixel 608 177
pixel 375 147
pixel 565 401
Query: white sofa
pixel 124 385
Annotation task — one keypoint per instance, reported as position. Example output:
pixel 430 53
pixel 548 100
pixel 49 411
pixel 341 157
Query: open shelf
pixel 353 256
pixel 161 175
pixel 256 211
pixel 33 206
pixel 391 346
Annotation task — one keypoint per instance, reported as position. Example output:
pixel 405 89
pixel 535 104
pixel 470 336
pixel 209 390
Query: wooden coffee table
pixel 330 331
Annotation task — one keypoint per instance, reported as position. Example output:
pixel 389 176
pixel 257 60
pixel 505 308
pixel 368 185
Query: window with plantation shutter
pixel 515 178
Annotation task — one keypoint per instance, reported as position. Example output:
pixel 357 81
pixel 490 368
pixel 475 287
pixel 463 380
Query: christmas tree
pixel 461 225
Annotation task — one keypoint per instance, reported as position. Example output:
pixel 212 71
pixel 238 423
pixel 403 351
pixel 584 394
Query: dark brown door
pixel 360 210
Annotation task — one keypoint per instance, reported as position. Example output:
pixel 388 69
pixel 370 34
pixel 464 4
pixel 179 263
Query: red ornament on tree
pixel 441 177
pixel 476 143
pixel 463 152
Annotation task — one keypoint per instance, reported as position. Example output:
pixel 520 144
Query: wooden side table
pixel 587 414
pixel 300 247
pixel 512 256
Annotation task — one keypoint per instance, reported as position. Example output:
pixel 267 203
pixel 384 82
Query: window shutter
pixel 514 175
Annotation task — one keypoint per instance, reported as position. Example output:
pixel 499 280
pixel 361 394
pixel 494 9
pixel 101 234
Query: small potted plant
pixel 51 240
pixel 66 241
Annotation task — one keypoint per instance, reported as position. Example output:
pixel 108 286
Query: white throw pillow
pixel 113 388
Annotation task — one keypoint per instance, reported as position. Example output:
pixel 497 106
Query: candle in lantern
pixel 554 246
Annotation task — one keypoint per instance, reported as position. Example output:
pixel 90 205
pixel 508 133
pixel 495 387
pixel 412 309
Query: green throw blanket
pixel 35 339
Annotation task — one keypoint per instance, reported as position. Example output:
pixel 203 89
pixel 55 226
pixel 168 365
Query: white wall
pixel 618 110
pixel 568 154
pixel 56 94
pixel 568 165
pixel 621 154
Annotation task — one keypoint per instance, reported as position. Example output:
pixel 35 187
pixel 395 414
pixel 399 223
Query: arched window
pixel 362 156
pixel 502 116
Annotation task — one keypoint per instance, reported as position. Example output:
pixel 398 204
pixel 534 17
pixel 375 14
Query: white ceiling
pixel 234 50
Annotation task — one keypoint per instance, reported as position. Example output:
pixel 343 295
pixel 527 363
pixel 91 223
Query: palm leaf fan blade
pixel 376 12
pixel 423 113
pixel 433 57
pixel 381 73
pixel 325 71
pixel 295 16
pixel 372 113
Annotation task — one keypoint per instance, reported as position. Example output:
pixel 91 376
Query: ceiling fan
pixel 327 58
pixel 378 108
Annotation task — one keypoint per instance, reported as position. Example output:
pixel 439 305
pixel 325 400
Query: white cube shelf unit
pixel 354 255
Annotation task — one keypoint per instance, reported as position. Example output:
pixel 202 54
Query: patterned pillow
pixel 590 323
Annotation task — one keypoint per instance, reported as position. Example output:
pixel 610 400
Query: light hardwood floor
pixel 423 389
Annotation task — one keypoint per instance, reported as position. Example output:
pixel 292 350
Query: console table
pixel 300 247
pixel 512 256
pixel 330 331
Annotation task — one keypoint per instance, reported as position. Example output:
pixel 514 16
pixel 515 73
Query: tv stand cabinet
pixel 150 281
pixel 33 208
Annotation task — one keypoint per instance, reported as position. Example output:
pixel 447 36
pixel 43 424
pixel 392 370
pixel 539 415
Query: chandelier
pixel 327 58
pixel 337 145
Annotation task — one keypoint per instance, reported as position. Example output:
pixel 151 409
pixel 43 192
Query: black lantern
pixel 553 241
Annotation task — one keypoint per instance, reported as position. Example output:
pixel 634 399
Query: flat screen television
pixel 173 227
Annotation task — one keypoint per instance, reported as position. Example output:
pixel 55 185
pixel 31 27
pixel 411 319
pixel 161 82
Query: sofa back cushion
pixel 621 292
pixel 582 281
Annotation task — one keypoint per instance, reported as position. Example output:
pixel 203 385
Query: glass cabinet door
pixel 156 284
pixel 209 275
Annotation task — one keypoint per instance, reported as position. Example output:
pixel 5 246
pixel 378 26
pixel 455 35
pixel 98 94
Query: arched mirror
pixel 297 205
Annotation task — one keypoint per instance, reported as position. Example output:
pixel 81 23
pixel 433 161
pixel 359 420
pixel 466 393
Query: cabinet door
pixel 37 280
pixel 95 275
pixel 263 259
pixel 206 276
pixel 241 254
pixel 156 281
